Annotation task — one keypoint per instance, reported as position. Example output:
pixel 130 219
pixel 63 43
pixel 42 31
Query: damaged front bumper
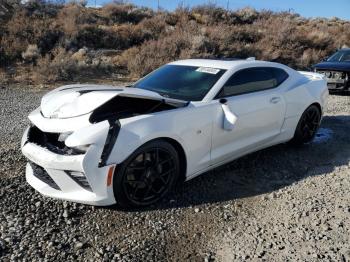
pixel 336 80
pixel 65 174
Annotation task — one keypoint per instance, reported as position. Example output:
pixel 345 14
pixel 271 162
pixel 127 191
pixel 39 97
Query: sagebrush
pixel 45 42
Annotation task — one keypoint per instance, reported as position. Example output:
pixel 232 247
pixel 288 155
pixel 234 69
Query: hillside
pixel 41 42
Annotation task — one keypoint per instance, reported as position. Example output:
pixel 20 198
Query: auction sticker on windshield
pixel 208 70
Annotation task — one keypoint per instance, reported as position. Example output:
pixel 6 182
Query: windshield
pixel 190 83
pixel 340 56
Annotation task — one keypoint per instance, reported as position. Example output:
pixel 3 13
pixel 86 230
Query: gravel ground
pixel 282 203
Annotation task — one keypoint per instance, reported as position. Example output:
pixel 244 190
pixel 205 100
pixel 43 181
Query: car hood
pixel 76 100
pixel 341 66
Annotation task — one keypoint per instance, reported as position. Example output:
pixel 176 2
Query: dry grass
pixel 64 42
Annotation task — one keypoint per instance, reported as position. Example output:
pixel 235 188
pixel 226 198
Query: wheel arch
pixel 318 105
pixel 180 150
pixel 297 138
pixel 175 143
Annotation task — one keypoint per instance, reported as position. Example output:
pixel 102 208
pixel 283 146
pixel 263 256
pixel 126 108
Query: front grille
pixel 41 174
pixel 49 141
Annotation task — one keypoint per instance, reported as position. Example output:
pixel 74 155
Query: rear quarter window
pixel 280 75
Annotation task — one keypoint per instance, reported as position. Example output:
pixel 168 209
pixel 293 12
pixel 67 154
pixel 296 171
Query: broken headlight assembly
pixel 63 136
pixel 76 149
pixel 81 149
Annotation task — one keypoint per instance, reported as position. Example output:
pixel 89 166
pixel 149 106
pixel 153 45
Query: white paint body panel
pixel 264 119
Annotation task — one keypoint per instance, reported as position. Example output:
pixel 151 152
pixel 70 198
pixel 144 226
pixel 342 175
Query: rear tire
pixel 307 126
pixel 147 175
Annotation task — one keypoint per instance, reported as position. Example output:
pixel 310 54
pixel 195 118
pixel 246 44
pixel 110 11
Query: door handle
pixel 275 100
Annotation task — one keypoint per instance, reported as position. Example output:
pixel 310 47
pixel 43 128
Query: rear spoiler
pixel 312 75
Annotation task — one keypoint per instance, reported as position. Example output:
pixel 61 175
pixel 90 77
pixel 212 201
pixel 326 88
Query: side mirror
pixel 229 117
pixel 325 59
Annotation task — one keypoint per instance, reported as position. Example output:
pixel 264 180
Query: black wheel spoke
pixel 309 123
pixel 165 161
pixel 167 172
pixel 136 168
pixel 148 190
pixel 148 176
pixel 161 178
pixel 134 183
pixel 135 191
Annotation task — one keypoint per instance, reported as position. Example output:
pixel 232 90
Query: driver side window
pixel 253 80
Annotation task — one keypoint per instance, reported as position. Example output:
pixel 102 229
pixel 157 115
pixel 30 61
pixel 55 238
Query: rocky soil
pixel 279 204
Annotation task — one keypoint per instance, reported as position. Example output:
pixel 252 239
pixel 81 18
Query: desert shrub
pixel 69 66
pixel 94 37
pixel 129 35
pixel 153 27
pixel 70 40
pixel 171 18
pixel 310 57
pixel 126 13
pixel 31 54
pixel 209 14
pixel 48 40
pixel 69 18
pixel 154 53
pixel 60 68
pixel 242 34
pixel 140 61
pixel 3 74
pixel 4 60
pixel 231 41
pixel 246 15
pixel 7 8
pixel 118 37
pixel 316 39
pixel 80 55
pixel 280 41
pixel 22 30
pixel 41 8
pixel 17 36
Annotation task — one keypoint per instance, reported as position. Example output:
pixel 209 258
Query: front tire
pixel 307 126
pixel 147 175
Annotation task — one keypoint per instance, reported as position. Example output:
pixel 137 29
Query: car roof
pixel 222 64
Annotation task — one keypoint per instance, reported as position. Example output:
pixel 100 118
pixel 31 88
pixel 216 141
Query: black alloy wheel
pixel 307 126
pixel 147 175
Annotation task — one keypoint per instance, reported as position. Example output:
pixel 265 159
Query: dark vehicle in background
pixel 336 69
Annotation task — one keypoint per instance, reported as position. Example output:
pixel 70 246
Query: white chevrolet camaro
pixel 102 145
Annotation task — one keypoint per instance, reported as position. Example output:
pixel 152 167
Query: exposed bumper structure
pixel 336 80
pixel 73 177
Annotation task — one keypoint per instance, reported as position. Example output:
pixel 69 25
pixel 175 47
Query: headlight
pixel 337 75
pixel 345 76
